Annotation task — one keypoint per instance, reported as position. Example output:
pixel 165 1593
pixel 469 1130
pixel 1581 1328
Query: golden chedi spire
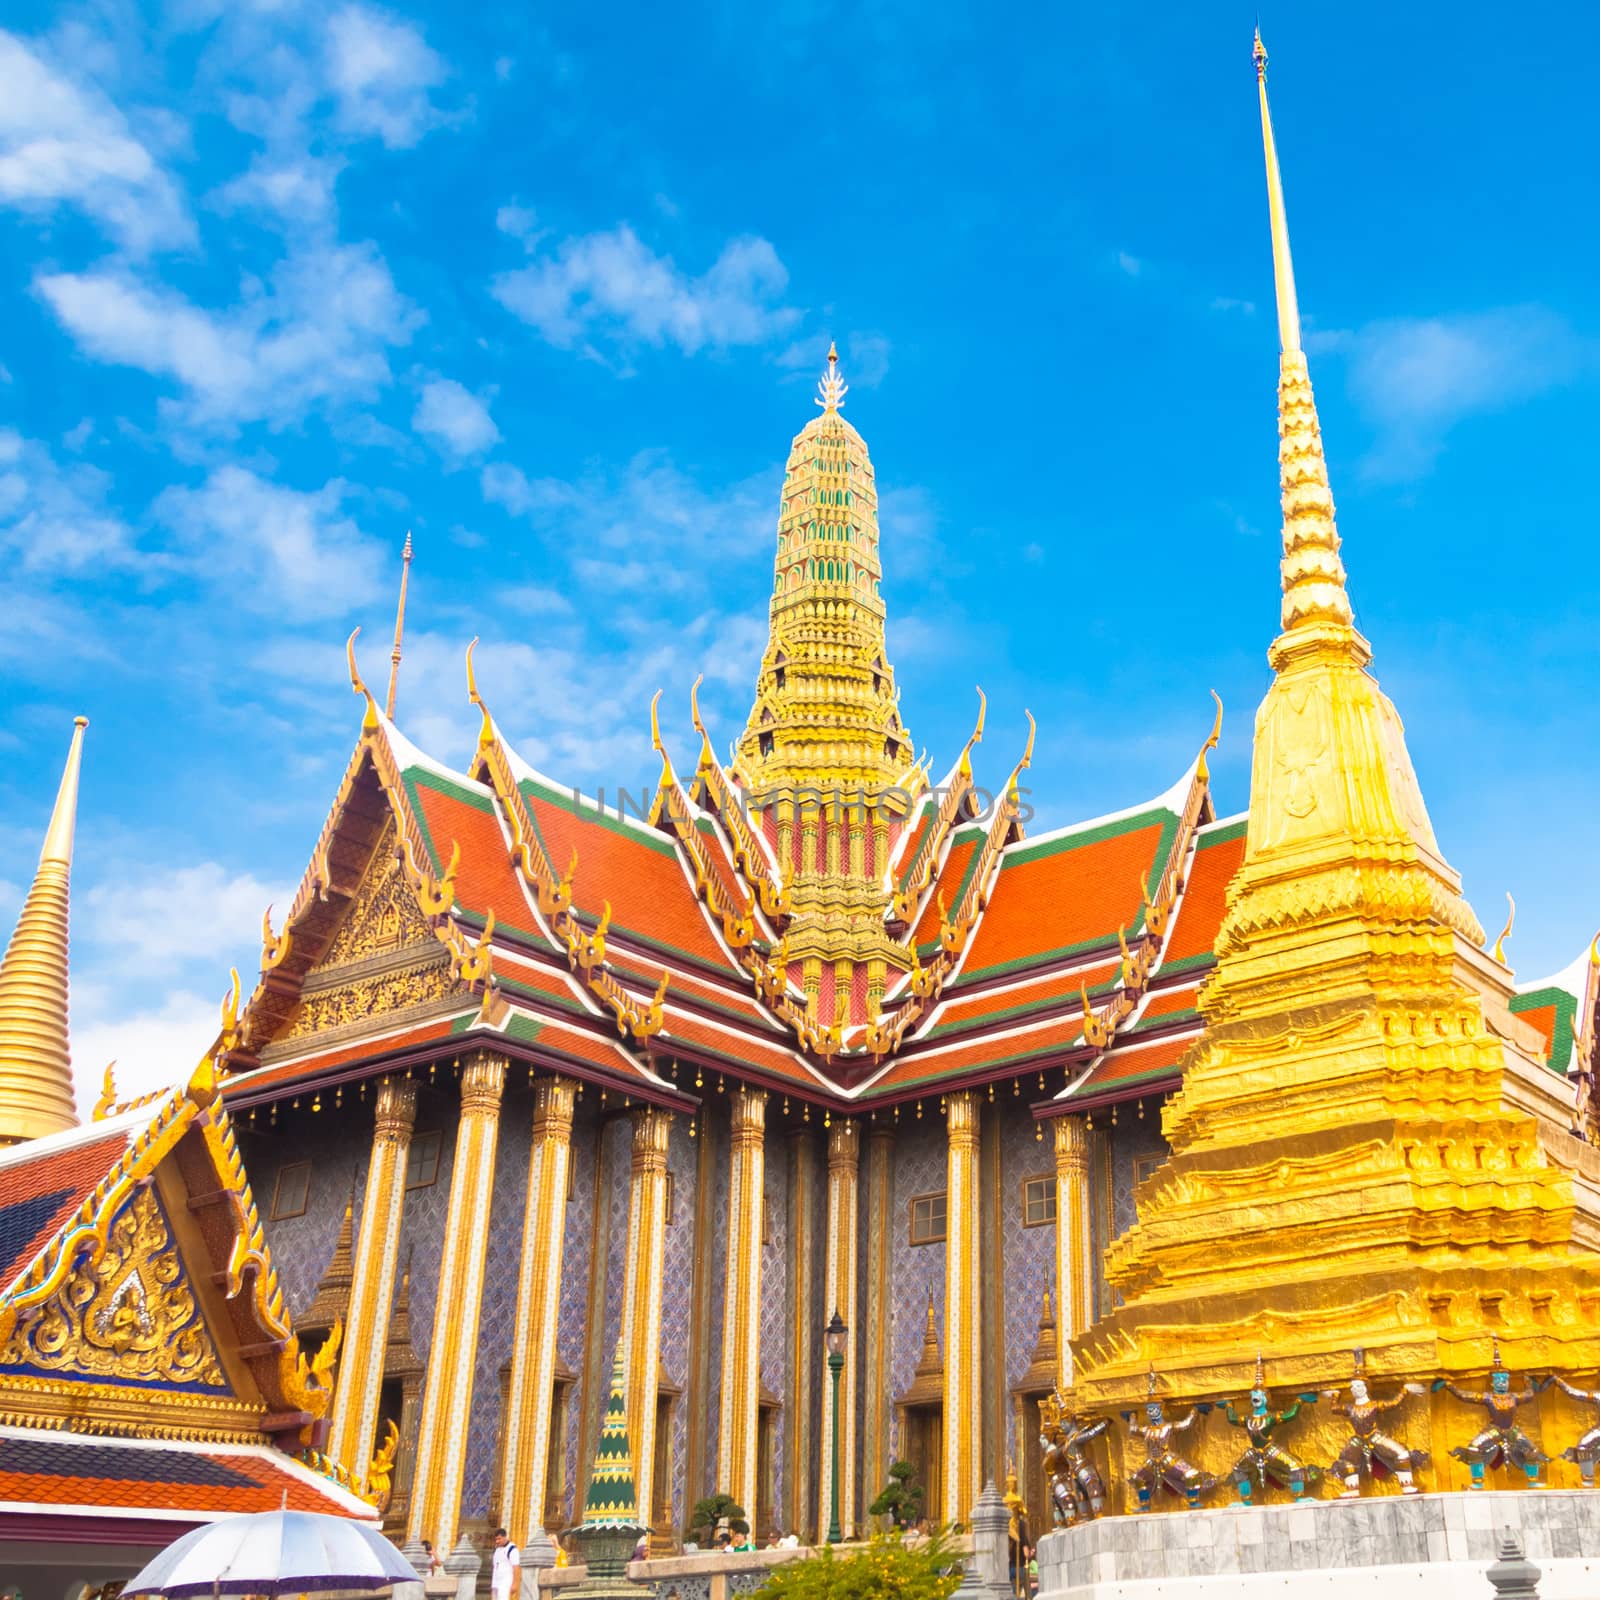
pixel 35 1062
pixel 825 710
pixel 1364 1153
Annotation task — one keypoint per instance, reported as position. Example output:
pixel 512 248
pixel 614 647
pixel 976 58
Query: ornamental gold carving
pixel 384 914
pixel 371 997
pixel 130 1316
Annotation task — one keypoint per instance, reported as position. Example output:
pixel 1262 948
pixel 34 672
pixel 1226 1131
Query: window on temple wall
pixel 929 1224
pixel 290 1191
pixel 1144 1167
pixel 671 1198
pixel 766 744
pixel 1038 1201
pixel 422 1161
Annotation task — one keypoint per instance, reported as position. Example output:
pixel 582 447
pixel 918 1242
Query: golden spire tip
pixel 63 819
pixel 1282 263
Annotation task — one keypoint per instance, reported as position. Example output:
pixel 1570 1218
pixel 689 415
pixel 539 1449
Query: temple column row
pixel 741 1306
pixel 641 1302
pixel 447 1394
pixel 355 1404
pixel 533 1359
pixel 839 1294
pixel 963 1399
pixel 1074 1248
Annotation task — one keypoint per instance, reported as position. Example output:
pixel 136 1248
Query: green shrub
pixel 886 1569
pixel 901 1498
pixel 709 1512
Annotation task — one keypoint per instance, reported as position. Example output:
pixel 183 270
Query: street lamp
pixel 834 1337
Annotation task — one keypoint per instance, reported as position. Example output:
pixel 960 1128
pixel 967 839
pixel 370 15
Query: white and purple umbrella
pixel 275 1553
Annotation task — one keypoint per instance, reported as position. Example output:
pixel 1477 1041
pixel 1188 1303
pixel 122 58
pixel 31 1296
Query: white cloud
pixel 53 519
pixel 152 1049
pixel 284 551
pixel 381 69
pixel 295 187
pixel 1131 265
pixel 1225 302
pixel 65 143
pixel 613 287
pixel 1416 378
pixel 455 419
pixel 319 336
pixel 128 917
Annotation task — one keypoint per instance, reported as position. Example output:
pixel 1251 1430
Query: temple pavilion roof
pixel 139 1305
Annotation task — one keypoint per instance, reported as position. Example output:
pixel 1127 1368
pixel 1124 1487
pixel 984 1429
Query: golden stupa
pixel 35 1062
pixel 1370 1163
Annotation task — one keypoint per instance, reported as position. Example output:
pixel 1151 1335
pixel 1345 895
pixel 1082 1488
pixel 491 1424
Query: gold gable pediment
pixel 384 915
pixel 131 1316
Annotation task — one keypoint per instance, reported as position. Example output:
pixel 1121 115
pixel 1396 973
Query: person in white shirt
pixel 505 1578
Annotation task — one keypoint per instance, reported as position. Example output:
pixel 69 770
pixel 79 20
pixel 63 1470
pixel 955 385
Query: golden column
pixel 844 1163
pixel 963 1327
pixel 641 1301
pixel 452 1354
pixel 355 1406
pixel 533 1363
pixel 1074 1225
pixel 741 1306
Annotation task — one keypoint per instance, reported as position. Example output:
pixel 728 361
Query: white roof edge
pixel 1573 978
pixel 1171 800
pixel 522 771
pixel 407 754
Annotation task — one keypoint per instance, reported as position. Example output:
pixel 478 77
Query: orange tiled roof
pixel 464 813
pixel 1218 851
pixel 632 867
pixel 697 1036
pixel 965 846
pixel 50 1472
pixel 1046 1043
pixel 1064 892
pixel 994 1006
pixel 1123 1069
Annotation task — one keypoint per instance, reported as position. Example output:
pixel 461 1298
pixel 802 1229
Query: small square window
pixel 1144 1167
pixel 928 1220
pixel 289 1194
pixel 422 1161
pixel 1038 1201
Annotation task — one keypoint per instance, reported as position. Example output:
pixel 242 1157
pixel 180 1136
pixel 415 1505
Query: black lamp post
pixel 835 1336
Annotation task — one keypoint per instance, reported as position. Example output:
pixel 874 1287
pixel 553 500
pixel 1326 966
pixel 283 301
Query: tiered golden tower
pixel 1367 1155
pixel 35 1060
pixel 825 761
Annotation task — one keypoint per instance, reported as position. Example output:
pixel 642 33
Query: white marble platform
pixel 1426 1547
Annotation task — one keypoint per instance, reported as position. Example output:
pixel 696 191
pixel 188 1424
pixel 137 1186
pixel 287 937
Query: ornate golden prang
pixel 127 1313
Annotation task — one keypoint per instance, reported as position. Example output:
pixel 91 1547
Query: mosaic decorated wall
pixel 714 1126
pixel 915 1271
pixel 775 1304
pixel 683 1157
pixel 577 1261
pixel 1028 1258
pixel 336 1145
pixel 497 1318
pixel 1134 1140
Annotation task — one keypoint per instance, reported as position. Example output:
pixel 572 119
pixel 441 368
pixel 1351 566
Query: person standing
pixel 505 1577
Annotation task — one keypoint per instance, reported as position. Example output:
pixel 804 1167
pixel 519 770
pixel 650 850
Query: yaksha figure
pixel 1077 1491
pixel 1264 1460
pixel 1369 1449
pixel 1587 1450
pixel 1163 1467
pixel 1502 1443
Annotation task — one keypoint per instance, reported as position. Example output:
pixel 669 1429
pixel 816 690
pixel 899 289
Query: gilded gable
pixel 129 1317
pixel 384 916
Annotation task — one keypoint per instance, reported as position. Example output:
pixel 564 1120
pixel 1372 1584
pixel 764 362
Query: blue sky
pixel 550 287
